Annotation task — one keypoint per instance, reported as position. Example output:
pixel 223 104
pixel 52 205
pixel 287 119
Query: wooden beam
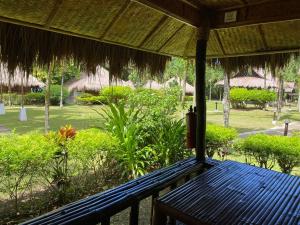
pixel 265 12
pixel 220 42
pixel 152 32
pixel 186 13
pixel 170 38
pixel 53 13
pixel 115 19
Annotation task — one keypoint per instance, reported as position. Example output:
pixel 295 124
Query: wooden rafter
pixel 263 38
pixel 186 13
pixel 115 19
pixel 53 13
pixel 170 38
pixel 220 42
pixel 247 14
pixel 265 12
pixel 153 31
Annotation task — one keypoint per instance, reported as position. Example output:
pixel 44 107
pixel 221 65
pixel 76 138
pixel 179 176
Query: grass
pixel 80 117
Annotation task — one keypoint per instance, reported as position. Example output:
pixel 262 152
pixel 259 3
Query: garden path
pixel 278 130
pixel 4 129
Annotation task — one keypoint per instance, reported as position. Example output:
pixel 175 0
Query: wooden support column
pixel 202 38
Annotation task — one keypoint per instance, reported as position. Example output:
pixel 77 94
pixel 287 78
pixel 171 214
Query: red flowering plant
pixel 60 174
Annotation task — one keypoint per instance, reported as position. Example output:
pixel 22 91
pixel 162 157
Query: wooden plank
pixel 266 12
pixel 180 10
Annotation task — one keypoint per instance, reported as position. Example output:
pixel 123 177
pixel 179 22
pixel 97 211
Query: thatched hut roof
pixel 94 82
pixel 189 89
pixel 16 79
pixel 255 79
pixel 146 32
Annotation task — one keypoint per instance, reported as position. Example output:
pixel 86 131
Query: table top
pixel 236 193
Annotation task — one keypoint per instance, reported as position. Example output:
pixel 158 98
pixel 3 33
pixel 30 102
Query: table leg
pixel 159 217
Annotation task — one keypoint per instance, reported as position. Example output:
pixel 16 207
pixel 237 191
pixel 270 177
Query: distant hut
pixel 189 89
pixel 14 81
pixel 93 83
pixel 256 79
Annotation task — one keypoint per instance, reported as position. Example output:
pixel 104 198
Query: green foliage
pixel 91 100
pixel 14 98
pixel 55 94
pixel 265 149
pixel 124 125
pixel 116 93
pixel 169 142
pixel 239 97
pixel 22 159
pixel 34 98
pixel 218 138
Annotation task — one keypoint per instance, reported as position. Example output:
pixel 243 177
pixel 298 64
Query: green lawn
pixel 80 117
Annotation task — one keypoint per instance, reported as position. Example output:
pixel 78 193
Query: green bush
pixel 188 98
pixel 34 98
pixel 14 98
pixel 218 139
pixel 22 160
pixel 92 100
pixel 239 97
pixel 115 93
pixel 55 94
pixel 265 149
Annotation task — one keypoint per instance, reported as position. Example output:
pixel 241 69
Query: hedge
pixel 218 138
pixel 239 97
pixel 265 149
pixel 115 93
pixel 92 100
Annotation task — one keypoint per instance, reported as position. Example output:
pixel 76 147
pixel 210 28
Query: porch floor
pixel 234 193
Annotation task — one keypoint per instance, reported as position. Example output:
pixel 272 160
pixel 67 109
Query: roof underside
pixel 167 27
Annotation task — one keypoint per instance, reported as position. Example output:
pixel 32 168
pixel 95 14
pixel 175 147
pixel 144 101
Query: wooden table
pixel 233 193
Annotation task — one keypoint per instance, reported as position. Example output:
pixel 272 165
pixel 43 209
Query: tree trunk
pixel 61 103
pixel 22 89
pixel 226 100
pixel 298 99
pixel 265 79
pixel 47 99
pixel 9 90
pixel 279 95
pixel 209 90
pixel 184 82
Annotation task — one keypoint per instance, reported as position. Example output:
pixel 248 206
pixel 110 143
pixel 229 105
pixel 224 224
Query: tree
pixel 214 73
pixel 292 74
pixel 226 99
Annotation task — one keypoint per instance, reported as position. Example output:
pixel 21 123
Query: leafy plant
pixel 218 139
pixel 239 97
pixel 55 94
pixel 35 98
pixel 169 142
pixel 115 93
pixel 22 158
pixel 124 125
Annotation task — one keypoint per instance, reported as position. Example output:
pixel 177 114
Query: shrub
pixel 14 98
pixel 266 148
pixel 55 94
pixel 92 100
pixel 116 93
pixel 22 159
pixel 218 138
pixel 169 142
pixel 239 97
pixel 34 98
pixel 188 98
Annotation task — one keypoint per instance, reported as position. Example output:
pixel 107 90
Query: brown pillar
pixel 200 94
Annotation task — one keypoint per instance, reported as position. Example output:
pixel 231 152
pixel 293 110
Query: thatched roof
pixel 255 79
pixel 94 82
pixel 144 32
pixel 16 79
pixel 189 89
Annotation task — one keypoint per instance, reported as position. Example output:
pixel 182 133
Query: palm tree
pixel 226 99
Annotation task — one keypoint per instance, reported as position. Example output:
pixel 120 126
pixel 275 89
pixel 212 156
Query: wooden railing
pixel 100 207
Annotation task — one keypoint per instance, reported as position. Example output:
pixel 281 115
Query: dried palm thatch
pixel 14 80
pixel 275 61
pixel 23 46
pixel 95 82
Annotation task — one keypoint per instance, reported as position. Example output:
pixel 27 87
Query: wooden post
pixel 200 94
